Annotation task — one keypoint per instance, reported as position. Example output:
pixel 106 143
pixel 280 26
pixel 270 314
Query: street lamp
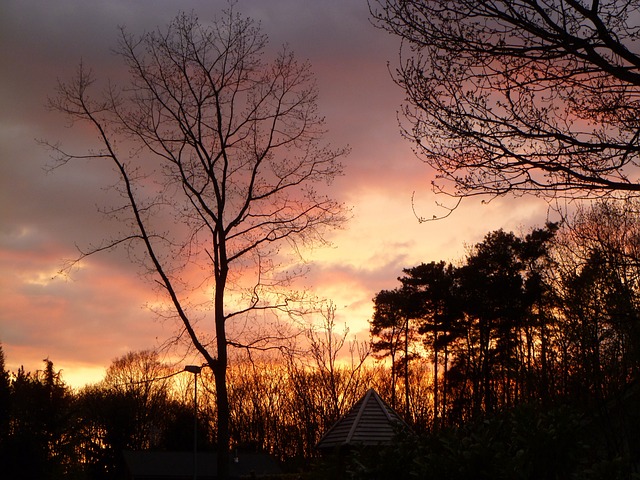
pixel 195 369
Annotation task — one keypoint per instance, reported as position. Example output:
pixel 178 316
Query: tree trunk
pixel 222 400
pixel 445 371
pixel 435 382
pixel 406 372
pixel 220 370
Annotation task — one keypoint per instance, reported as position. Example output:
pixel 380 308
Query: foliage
pixel 393 335
pixel 529 442
pixel 479 321
pixel 41 434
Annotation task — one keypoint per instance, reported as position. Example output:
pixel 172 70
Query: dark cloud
pixel 84 321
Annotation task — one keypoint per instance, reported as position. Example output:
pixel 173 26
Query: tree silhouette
pixel 338 379
pixel 218 158
pixel 141 381
pixel 393 333
pixel 520 96
pixel 492 294
pixel 5 395
pixel 488 317
pixel 500 290
pixel 432 287
pixel 41 441
pixel 135 407
pixel 597 286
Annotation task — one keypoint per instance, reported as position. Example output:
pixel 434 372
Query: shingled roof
pixel 370 422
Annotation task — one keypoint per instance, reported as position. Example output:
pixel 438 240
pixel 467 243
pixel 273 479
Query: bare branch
pixel 217 153
pixel 521 97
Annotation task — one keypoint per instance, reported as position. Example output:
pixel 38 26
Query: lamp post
pixel 195 369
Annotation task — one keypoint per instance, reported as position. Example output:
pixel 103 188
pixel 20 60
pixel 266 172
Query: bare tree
pixel 141 371
pixel 597 281
pixel 521 96
pixel 340 379
pixel 218 154
pixel 145 382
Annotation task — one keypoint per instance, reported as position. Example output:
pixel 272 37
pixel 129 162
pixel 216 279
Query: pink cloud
pixel 99 313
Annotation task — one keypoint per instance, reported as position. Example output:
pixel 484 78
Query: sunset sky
pixel 83 321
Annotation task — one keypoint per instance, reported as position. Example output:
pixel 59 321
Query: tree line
pixel 279 405
pixel 502 96
pixel 545 318
pixel 548 316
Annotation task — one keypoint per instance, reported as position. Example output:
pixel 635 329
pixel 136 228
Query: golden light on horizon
pixel 100 310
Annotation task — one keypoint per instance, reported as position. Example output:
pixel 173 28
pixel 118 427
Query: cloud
pixel 84 321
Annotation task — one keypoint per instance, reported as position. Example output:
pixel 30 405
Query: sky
pixel 83 321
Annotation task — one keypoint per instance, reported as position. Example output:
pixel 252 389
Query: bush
pixel 526 443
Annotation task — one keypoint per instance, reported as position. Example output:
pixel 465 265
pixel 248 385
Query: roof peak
pixel 370 421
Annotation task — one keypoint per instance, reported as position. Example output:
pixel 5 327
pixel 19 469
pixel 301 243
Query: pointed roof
pixel 369 422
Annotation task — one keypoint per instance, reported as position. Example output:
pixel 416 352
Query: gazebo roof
pixel 370 422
